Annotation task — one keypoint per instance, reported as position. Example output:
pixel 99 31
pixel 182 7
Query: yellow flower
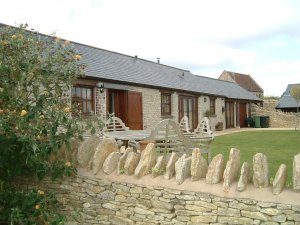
pixel 42 116
pixel 38 137
pixel 67 109
pixel 68 164
pixel 41 192
pixel 14 36
pixel 37 206
pixel 58 39
pixel 77 57
pixel 1 89
pixel 46 93
pixel 23 113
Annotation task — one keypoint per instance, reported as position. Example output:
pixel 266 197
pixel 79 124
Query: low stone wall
pixel 277 118
pixel 95 200
pixel 120 186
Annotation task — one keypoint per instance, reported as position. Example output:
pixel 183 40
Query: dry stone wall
pixel 277 118
pixel 92 201
pixel 96 198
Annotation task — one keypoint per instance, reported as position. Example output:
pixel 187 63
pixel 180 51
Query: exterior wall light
pixel 100 85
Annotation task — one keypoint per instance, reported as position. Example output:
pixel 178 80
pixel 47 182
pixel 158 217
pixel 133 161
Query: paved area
pixel 235 130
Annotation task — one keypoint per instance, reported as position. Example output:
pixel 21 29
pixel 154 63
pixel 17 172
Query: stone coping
pixel 288 196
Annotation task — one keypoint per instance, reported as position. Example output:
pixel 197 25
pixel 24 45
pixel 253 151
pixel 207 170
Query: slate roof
pixel 121 68
pixel 112 66
pixel 245 81
pixel 286 100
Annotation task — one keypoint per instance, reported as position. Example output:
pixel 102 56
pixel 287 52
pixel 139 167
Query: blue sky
pixel 257 37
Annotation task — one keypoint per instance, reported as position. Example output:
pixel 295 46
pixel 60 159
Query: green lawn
pixel 279 146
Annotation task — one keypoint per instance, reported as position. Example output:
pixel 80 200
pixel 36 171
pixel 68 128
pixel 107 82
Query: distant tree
pixel 295 93
pixel 270 97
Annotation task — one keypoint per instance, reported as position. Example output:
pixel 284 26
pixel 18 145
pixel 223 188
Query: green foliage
pixel 28 207
pixel 36 75
pixel 158 171
pixel 295 93
pixel 270 97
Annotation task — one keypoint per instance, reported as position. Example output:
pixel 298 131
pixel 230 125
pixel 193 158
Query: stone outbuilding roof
pixel 244 80
pixel 286 100
pixel 113 66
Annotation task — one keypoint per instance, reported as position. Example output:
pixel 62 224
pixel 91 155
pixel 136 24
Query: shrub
pixel 37 73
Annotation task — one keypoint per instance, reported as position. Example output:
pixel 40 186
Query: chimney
pixel 158 60
pixel 135 57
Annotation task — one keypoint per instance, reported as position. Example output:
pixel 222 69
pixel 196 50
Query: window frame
pixel 212 106
pixel 193 116
pixel 166 104
pixel 80 100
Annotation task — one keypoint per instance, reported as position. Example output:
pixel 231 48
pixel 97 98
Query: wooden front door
pixel 188 107
pixel 117 104
pixel 135 111
pixel 243 114
pixel 229 114
pixel 127 106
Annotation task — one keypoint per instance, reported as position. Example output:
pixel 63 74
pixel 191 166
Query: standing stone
pixel 122 149
pixel 232 168
pixel 199 165
pixel 183 168
pixel 160 166
pixel 296 173
pixel 86 151
pixel 131 162
pixel 170 168
pixel 215 170
pixel 107 146
pixel 111 162
pixel 244 177
pixel 121 163
pixel 260 171
pixel 147 161
pixel 280 179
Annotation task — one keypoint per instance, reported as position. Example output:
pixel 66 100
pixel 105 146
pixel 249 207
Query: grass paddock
pixel 280 147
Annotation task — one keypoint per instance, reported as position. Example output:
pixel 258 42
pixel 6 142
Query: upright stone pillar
pixel 215 170
pixel 296 173
pixel 280 179
pixel 244 177
pixel 183 168
pixel 170 168
pixel 232 168
pixel 199 165
pixel 260 171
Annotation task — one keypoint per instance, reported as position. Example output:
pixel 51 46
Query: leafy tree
pixel 36 75
pixel 295 93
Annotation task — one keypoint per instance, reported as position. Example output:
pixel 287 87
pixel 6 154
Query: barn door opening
pixel 243 114
pixel 127 106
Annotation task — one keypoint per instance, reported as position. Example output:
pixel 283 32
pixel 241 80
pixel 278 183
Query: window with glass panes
pixel 165 103
pixel 212 106
pixel 82 97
